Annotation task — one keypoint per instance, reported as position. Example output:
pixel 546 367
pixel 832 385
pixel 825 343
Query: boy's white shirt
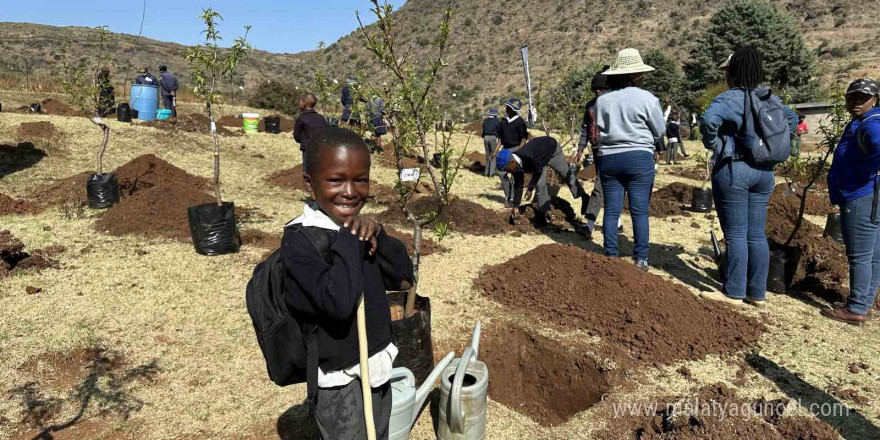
pixel 380 364
pixel 509 119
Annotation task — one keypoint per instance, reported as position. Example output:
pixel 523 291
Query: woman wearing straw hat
pixel 630 127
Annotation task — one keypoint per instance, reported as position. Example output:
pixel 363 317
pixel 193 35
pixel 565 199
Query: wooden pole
pixel 365 370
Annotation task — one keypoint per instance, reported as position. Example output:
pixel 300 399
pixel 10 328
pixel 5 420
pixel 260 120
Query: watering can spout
pixel 428 384
pixel 475 340
pixel 715 246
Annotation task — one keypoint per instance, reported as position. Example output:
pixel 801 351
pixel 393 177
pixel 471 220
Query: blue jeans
pixel 862 240
pixel 741 193
pixel 627 173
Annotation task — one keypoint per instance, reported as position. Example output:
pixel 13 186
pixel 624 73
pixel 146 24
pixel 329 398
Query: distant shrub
pixel 840 52
pixel 497 19
pixel 275 95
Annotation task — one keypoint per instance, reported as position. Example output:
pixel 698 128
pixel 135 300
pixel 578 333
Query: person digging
pixel 535 157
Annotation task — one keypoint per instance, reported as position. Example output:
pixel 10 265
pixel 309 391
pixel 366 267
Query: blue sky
pixel 278 25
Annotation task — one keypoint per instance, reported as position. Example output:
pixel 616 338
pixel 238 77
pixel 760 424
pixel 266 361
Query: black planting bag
pixel 213 228
pixel 102 190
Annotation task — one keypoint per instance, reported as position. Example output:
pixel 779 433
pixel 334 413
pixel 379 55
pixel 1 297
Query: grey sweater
pixel 629 119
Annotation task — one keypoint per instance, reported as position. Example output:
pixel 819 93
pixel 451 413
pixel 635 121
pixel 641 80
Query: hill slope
pixel 484 58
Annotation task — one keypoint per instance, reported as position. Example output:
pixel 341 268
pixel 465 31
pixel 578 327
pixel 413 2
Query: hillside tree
pixel 667 82
pixel 788 63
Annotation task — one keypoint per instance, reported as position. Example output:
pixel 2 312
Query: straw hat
pixel 628 61
pixel 726 62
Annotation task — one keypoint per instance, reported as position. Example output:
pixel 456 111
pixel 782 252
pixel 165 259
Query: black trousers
pixel 340 411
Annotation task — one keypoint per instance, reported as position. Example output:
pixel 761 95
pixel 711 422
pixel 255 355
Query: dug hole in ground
pixel 126 314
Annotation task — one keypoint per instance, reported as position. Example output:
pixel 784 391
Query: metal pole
pixel 525 57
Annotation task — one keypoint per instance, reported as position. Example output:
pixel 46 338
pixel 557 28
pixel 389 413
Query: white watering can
pixel 464 390
pixel 407 401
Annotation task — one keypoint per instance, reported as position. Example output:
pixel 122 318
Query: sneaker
pixel 642 264
pixel 720 297
pixel 759 303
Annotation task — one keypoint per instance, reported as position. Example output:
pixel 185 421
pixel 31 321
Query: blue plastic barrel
pixel 144 99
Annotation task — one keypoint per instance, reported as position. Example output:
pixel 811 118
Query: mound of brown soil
pixel 155 198
pixel 715 412
pixel 10 206
pixel 286 124
pixel 382 194
pixel 657 321
pixel 36 131
pixel 823 269
pixel 694 172
pixel 388 158
pixel 587 173
pixel 230 121
pixel 475 160
pixel 817 203
pixel 463 216
pixel 51 106
pixel 68 190
pixel 13 257
pixel 192 123
pixel 147 171
pixel 291 178
pixel 672 199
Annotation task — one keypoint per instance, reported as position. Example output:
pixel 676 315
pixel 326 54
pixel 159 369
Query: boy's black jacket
pixel 326 295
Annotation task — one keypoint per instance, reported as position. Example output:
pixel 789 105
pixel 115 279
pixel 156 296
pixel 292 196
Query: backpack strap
pixel 320 239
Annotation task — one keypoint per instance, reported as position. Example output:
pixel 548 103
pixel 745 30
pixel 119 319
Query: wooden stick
pixel 365 370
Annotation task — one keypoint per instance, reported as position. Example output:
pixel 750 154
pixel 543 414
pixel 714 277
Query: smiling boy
pixel 323 286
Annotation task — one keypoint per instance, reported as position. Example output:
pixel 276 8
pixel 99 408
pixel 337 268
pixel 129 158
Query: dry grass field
pixel 135 337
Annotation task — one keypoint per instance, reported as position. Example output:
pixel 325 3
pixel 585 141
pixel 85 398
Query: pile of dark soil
pixel 823 269
pixel 155 197
pixel 14 258
pixel 192 123
pixel 51 106
pixel 388 158
pixel 382 194
pixel 291 178
pixel 817 203
pixel 230 121
pixel 68 190
pixel 715 412
pixel 657 321
pixel 35 132
pixel 10 206
pixel 463 216
pixel 286 124
pixel 14 158
pixel 672 199
pixel 689 172
pixel 588 173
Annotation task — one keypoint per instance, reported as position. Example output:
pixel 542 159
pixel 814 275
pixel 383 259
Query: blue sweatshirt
pixel 853 172
pixel 168 83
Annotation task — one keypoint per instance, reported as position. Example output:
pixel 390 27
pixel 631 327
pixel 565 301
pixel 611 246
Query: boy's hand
pixel 528 194
pixel 366 229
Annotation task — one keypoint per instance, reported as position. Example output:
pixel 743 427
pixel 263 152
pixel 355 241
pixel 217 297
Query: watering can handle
pixel 456 417
pixel 402 372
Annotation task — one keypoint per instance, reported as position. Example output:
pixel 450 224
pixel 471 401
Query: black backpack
pixel 764 137
pixel 288 344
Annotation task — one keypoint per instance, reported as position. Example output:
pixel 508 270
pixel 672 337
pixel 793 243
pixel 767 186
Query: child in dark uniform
pixel 514 134
pixel 363 260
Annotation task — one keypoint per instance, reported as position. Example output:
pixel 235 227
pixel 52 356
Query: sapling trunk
pixel 99 158
pixel 216 182
pixel 410 307
pixel 803 195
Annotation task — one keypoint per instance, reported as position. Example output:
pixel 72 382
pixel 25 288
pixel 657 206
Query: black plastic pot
pixel 272 124
pixel 134 113
pixel 832 228
pixel 102 190
pixel 783 265
pixel 213 228
pixel 412 336
pixel 701 200
pixel 35 108
pixel 123 112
